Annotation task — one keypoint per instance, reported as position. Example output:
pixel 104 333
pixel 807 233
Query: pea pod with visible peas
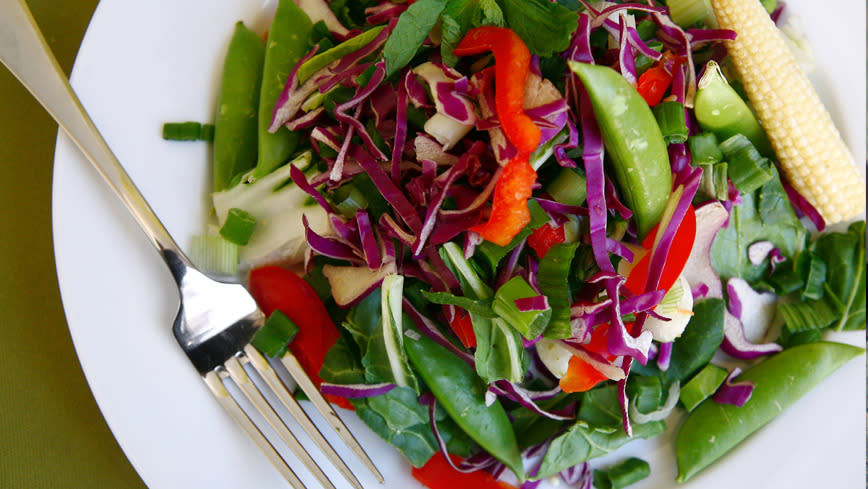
pixel 235 128
pixel 461 392
pixel 633 140
pixel 712 429
pixel 287 43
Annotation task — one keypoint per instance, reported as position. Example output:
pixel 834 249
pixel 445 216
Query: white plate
pixel 144 63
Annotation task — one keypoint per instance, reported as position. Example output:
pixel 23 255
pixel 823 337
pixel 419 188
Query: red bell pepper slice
pixel 509 211
pixel 581 376
pixel 463 328
pixel 438 474
pixel 544 237
pixel 653 84
pixel 511 65
pixel 275 288
pixel 679 252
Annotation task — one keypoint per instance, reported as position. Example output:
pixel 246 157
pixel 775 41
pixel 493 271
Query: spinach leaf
pixel 544 26
pixel 410 32
pixel 342 364
pixel 398 418
pixel 844 254
pixel 583 442
pixel 695 347
pixel 363 319
pixel 600 407
pixel 763 215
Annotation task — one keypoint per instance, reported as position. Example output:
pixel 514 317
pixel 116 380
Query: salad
pixel 526 233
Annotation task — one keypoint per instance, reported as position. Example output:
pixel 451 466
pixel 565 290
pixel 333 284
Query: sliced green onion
pixel 646 393
pixel 804 316
pixel 673 124
pixel 529 323
pixel 554 273
pixel 215 255
pixel 568 187
pixel 702 386
pixel 748 169
pixel 188 131
pixel 704 149
pixel 272 340
pixel 714 182
pixel 622 475
pixel 238 227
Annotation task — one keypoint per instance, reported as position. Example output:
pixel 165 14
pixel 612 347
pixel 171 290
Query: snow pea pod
pixel 633 140
pixel 287 43
pixel 235 146
pixel 712 429
pixel 461 392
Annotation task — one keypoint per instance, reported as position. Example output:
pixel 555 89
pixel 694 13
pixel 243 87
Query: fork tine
pixel 325 409
pixel 261 365
pixel 228 402
pixel 239 376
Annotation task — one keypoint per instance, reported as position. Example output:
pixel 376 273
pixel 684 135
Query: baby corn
pixel 812 154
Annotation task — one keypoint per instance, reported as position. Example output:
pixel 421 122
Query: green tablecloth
pixel 51 432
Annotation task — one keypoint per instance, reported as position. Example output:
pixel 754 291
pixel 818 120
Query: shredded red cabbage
pixel 735 393
pixel 355 391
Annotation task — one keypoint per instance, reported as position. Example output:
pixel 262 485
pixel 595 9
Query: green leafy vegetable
pixel 402 421
pixel 410 32
pixel 499 351
pixel 695 347
pixel 844 255
pixel 479 307
pixel 764 215
pixel 544 26
pixel 583 442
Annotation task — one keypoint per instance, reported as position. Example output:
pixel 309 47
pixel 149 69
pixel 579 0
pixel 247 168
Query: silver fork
pixel 216 320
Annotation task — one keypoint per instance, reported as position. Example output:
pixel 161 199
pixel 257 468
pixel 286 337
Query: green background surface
pixel 52 434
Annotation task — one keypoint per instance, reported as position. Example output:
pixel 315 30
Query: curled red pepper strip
pixel 511 65
pixel 509 211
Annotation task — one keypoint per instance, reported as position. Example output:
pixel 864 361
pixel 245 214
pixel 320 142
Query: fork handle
pixel 26 54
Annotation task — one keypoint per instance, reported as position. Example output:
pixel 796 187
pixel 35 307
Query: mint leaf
pixel 410 32
pixel 544 26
